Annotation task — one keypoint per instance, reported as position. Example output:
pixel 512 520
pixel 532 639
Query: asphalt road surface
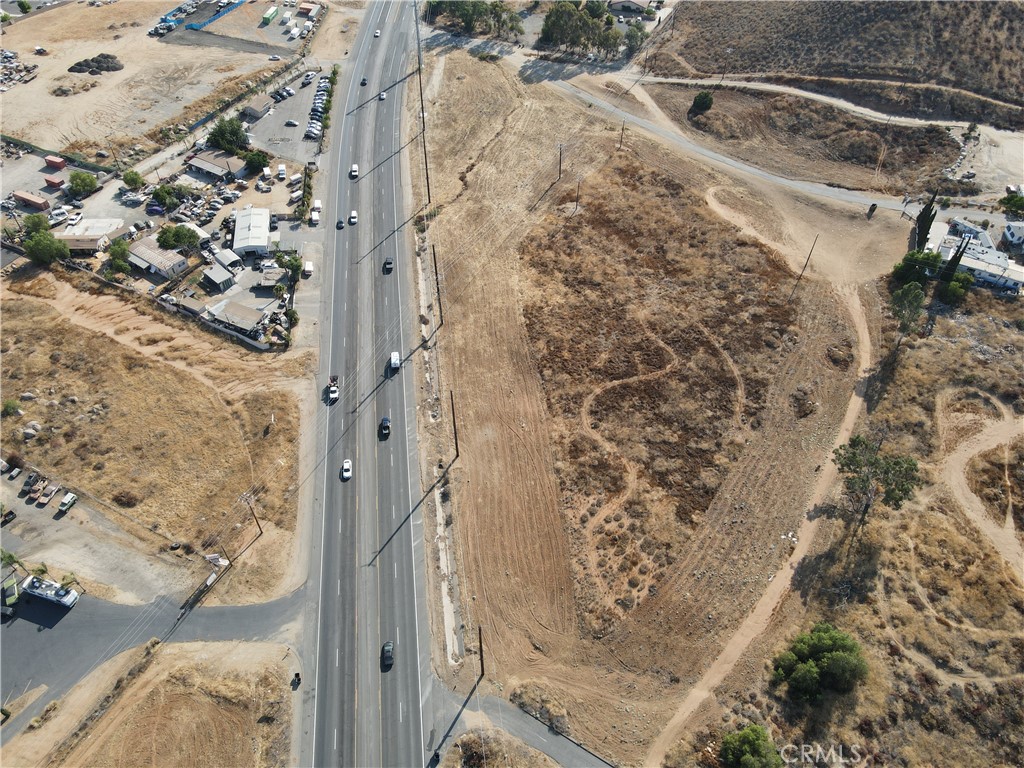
pixel 371 577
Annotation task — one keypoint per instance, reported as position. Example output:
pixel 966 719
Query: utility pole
pixel 455 425
pixel 622 133
pixel 559 161
pixel 806 262
pixel 578 182
pixel 480 640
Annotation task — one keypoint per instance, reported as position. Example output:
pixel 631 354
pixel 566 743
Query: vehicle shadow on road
pixel 388 236
pixel 364 102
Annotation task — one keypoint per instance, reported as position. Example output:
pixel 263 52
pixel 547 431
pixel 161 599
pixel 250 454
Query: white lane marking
pixel 398 636
pixel 396 569
pixel 392 459
pixel 392 512
pixel 339 587
pixel 337 657
pixel 399 711
pixel 335 739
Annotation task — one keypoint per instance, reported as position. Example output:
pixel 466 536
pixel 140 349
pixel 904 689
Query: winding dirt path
pixel 757 620
pixel 953 471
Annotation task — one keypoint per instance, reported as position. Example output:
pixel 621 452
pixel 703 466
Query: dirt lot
pixel 916 41
pixel 193 704
pixel 159 82
pixel 131 404
pixel 557 414
pixel 800 138
pixel 493 747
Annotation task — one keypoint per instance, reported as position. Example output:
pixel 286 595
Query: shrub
pixel 955 291
pixel 702 102
pixel 751 747
pixel 127 499
pixel 915 266
pixel 10 407
pixel 823 659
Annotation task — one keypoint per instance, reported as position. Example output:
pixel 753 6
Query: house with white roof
pixel 981 260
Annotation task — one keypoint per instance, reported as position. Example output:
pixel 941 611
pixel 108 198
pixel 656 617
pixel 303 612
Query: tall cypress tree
pixel 924 222
pixel 949 270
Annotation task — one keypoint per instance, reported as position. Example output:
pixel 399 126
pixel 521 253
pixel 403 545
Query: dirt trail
pixel 953 471
pixel 757 620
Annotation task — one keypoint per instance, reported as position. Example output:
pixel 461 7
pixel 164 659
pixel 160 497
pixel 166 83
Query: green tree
pixel 82 183
pixel 596 9
pixel 906 306
pixel 955 291
pixel 168 195
pixel 751 747
pixel 9 559
pixel 293 317
pixel 915 266
pixel 558 23
pixel 35 222
pixel 1012 203
pixel 702 103
pixel 40 570
pixel 24 6
pixel 924 222
pixel 805 681
pixel 4 18
pixel 229 135
pixel 119 249
pixel 954 261
pixel 636 35
pixel 609 41
pixel 840 671
pixel 45 248
pixel 280 291
pixel 257 160
pixel 133 179
pixel 178 236
pixel 869 474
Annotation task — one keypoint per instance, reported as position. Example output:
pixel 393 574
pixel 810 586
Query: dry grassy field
pixel 957 45
pixel 165 426
pixel 798 137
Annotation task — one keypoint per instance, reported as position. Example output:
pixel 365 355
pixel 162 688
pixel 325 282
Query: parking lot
pixel 274 137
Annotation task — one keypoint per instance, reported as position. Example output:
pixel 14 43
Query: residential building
pixel 147 255
pixel 981 259
pixel 237 317
pixel 92 234
pixel 257 107
pixel 1014 233
pixel 219 277
pixel 629 6
pixel 218 164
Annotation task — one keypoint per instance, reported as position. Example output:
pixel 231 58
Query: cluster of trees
pixel 171 195
pixel 133 179
pixel 1013 203
pixel 40 244
pixel 492 18
pixel 821 660
pixel 589 29
pixel 750 747
pixel 918 267
pixel 119 257
pixel 228 134
pixel 180 236
pixel 82 183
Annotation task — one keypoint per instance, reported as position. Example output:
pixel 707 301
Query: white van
pixel 307 269
pixel 282 172
pixel 67 502
pixel 317 206
pixel 296 178
pixel 314 218
pixel 295 196
pixel 354 173
pixel 396 361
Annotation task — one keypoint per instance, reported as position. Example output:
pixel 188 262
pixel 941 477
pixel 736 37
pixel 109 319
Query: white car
pixel 382 96
pixel 354 173
pixel 74 218
pixel 353 218
pixel 376 33
pixel 346 469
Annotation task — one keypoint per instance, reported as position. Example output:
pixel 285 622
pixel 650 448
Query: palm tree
pixel 70 578
pixel 9 559
pixel 40 570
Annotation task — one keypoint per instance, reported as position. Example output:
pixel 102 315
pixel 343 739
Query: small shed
pixel 56 162
pixel 219 277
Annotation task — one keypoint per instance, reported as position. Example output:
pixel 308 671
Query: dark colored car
pixel 8 516
pixel 389 263
pixel 385 427
pixel 387 655
pixel 340 224
pixel 363 81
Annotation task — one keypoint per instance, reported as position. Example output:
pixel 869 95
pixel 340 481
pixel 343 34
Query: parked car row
pixel 315 127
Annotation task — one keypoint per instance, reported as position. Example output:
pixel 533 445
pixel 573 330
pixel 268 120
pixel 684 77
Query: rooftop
pixel 148 250
pixel 94 227
pixel 252 229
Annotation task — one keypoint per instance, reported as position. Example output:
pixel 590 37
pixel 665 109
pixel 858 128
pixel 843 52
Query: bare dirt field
pixel 160 82
pixel 803 139
pixel 586 404
pixel 488 746
pixel 194 704
pixel 155 419
pixel 917 41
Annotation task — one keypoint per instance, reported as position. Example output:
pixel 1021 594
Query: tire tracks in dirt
pixel 757 620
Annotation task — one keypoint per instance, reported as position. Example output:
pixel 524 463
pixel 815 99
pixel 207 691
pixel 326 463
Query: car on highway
pixel 382 96
pixel 340 224
pixel 353 218
pixel 385 428
pixel 346 469
pixel 376 33
pixel 363 81
pixel 291 123
pixel 354 171
pixel 387 655
pixel 389 263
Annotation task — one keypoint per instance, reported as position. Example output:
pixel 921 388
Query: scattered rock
pixel 28 434
pixel 72 399
pixel 28 396
pixel 34 425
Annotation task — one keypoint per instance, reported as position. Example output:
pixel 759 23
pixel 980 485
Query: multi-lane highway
pixel 371 579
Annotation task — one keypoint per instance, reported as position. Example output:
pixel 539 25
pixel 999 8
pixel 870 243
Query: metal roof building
pixel 252 232
pixel 148 255
pixel 219 164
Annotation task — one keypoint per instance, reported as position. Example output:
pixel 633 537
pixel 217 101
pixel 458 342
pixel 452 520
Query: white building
pixel 146 254
pixel 981 259
pixel 1014 233
pixel 92 234
pixel 252 232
